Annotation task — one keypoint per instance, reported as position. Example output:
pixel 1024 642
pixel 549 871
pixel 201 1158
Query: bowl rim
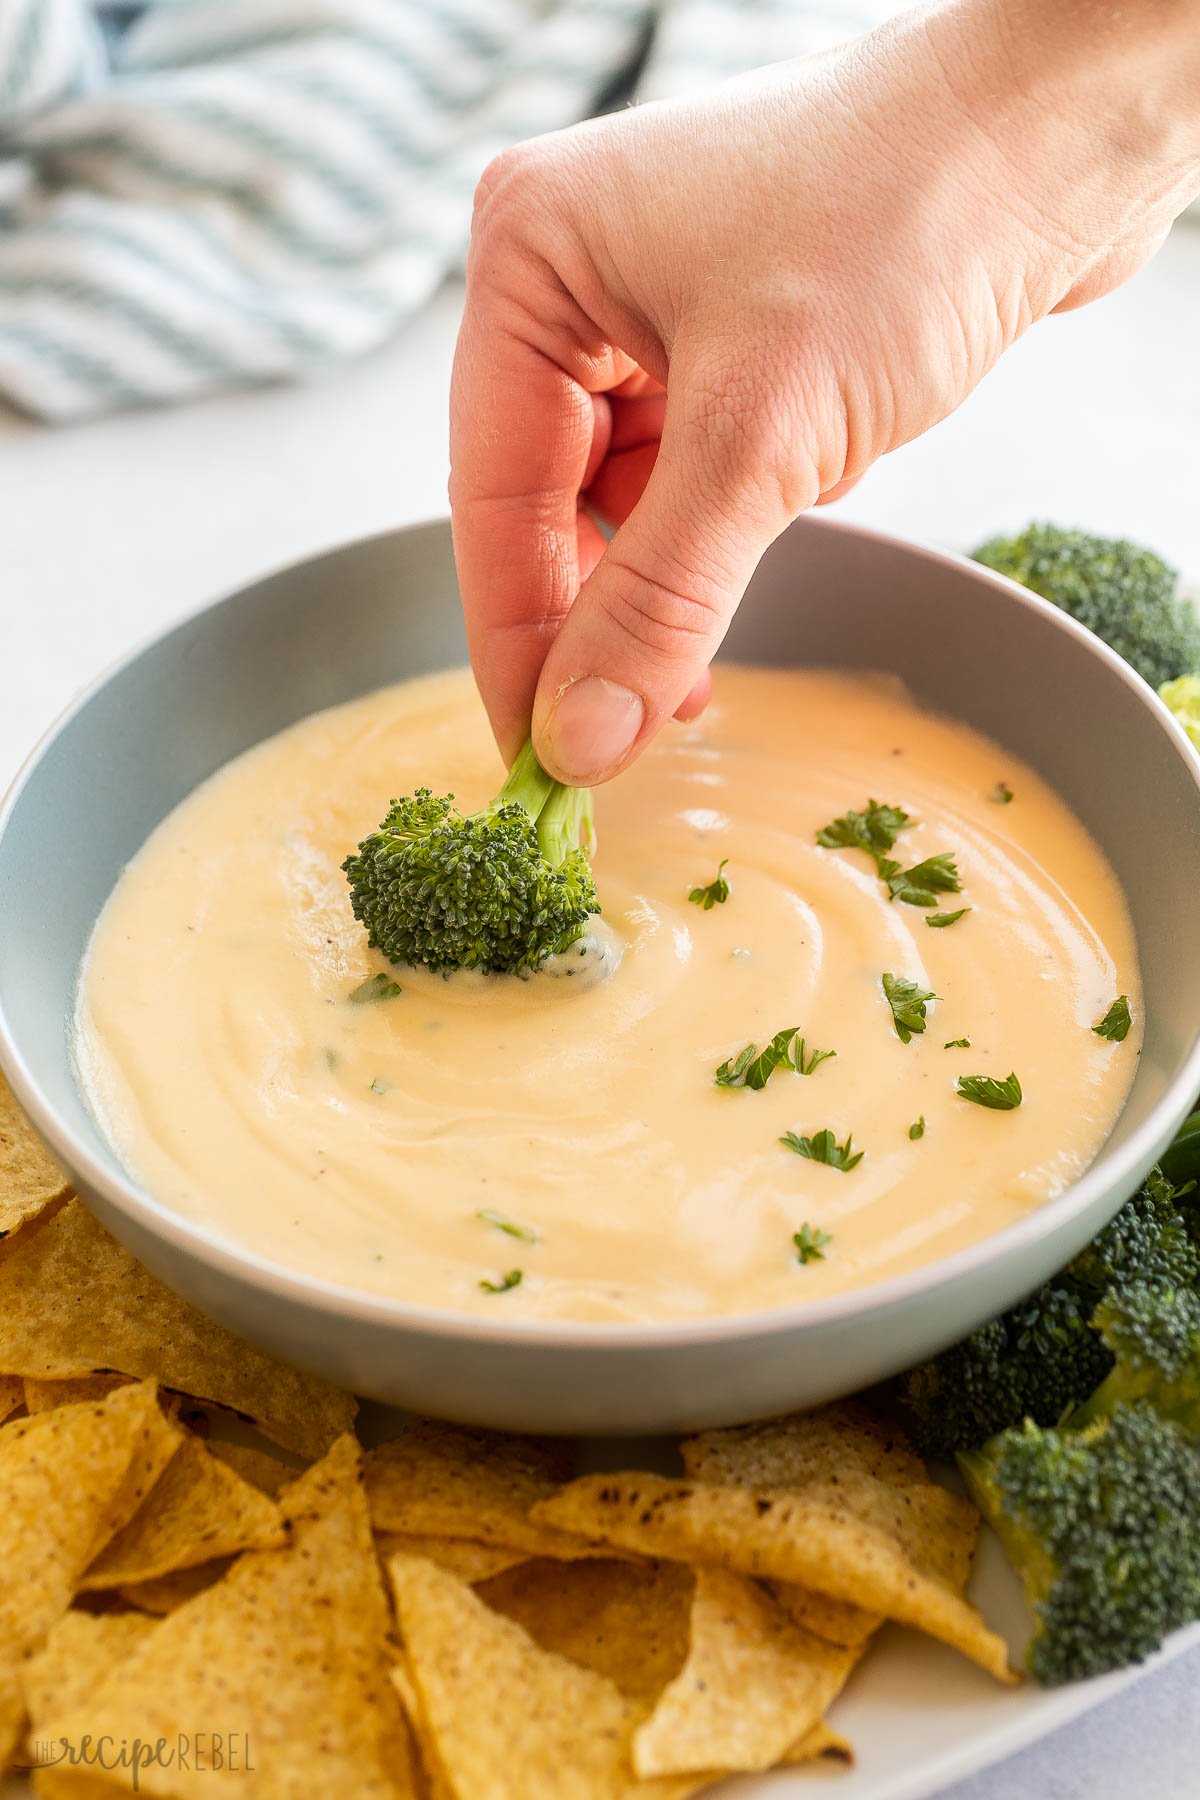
pixel 331 1299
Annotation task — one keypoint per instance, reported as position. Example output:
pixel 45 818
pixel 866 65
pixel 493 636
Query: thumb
pixel 651 616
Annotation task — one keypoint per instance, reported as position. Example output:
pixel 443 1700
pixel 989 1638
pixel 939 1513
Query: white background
pixel 108 531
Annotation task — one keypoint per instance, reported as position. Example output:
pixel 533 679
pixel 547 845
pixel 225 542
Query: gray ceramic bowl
pixel 966 641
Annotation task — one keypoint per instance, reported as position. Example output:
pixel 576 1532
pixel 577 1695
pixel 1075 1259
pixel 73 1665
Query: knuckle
pixel 670 612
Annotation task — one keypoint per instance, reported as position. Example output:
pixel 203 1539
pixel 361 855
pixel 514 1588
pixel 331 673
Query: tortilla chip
pixel 824 1744
pixel 836 1622
pixel 777 1535
pixel 12 1396
pixel 268 1473
pixel 166 1592
pixel 73 1301
pixel 30 1179
pixel 472 1563
pixel 856 1464
pixel 44 1396
pixel 433 1779
pixel 752 1685
pixel 197 1510
pixel 626 1621
pixel 290 1649
pixel 12 1714
pixel 80 1652
pixel 507 1719
pixel 440 1481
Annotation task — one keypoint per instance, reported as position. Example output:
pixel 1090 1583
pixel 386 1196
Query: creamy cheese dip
pixel 361 1141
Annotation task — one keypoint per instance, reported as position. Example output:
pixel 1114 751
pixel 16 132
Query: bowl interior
pixel 966 642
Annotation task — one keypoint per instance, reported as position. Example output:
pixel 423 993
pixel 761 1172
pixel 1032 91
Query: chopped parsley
pixel 375 987
pixel 921 885
pixel 1001 794
pixel 822 1147
pixel 1000 1096
pixel 716 893
pixel 753 1068
pixel 957 1044
pixel 874 830
pixel 488 1215
pixel 810 1242
pixel 940 919
pixel 907 1001
pixel 917 1129
pixel 1116 1022
pixel 378 1086
pixel 511 1280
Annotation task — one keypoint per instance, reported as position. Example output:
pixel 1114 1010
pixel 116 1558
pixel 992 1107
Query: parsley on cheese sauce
pixel 233 1045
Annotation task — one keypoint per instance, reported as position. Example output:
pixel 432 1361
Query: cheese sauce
pixel 377 1143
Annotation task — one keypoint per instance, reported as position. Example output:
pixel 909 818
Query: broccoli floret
pixel 1183 698
pixel 1036 1362
pixel 1103 1527
pixel 1125 594
pixel 1148 1240
pixel 1152 1330
pixel 1044 1358
pixel 499 890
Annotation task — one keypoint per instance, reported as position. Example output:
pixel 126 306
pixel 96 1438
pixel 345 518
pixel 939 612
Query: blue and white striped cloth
pixel 197 194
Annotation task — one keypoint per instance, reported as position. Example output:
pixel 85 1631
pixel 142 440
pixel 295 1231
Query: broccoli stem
pixel 562 816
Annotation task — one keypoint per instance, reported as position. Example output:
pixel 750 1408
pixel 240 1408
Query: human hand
pixel 697 319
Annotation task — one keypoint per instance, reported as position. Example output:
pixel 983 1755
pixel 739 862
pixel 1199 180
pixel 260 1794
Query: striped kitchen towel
pixel 197 194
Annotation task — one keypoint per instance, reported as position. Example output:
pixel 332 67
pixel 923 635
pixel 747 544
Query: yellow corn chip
pixel 69 1480
pixel 472 1563
pixel 777 1535
pixel 268 1473
pixel 508 1720
pixel 824 1743
pixel 833 1620
pixel 440 1481
pixel 44 1396
pixel 752 1685
pixel 80 1652
pixel 166 1592
pixel 433 1779
pixel 627 1621
pixel 198 1509
pixel 12 1396
pixel 12 1711
pixel 290 1652
pixel 73 1301
pixel 855 1464
pixel 801 1448
pixel 29 1176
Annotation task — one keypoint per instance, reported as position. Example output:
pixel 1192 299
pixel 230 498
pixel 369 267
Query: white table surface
pixel 109 530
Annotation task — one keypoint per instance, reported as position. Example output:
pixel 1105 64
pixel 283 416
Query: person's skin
pixel 694 320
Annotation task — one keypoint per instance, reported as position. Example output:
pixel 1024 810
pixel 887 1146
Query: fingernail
pixel 591 727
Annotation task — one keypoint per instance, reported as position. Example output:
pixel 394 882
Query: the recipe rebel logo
pixel 199 1752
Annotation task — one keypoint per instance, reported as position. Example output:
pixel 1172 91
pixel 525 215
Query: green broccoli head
pixel 1045 1357
pixel 1183 698
pixel 1125 594
pixel 1103 1527
pixel 1152 1330
pixel 499 890
pixel 1036 1362
pixel 1148 1240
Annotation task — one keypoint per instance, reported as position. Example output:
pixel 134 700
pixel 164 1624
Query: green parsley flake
pixel 957 1044
pixel 921 885
pixel 874 830
pixel 375 987
pixel 753 1068
pixel 1116 1022
pixel 917 1130
pixel 511 1280
pixel 822 1147
pixel 716 893
pixel 940 919
pixel 907 1001
pixel 810 1242
pixel 1001 794
pixel 488 1215
pixel 999 1096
